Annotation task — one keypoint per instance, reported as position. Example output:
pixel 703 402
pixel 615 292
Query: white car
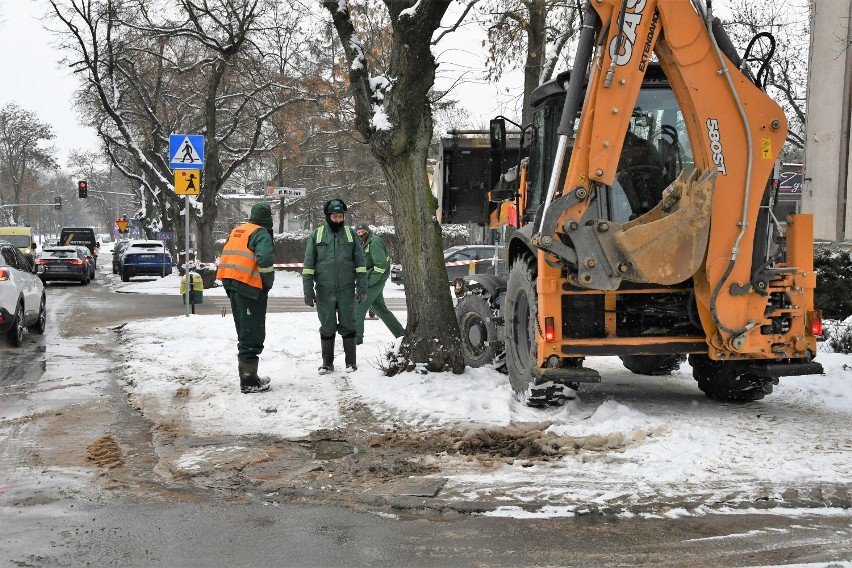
pixel 22 298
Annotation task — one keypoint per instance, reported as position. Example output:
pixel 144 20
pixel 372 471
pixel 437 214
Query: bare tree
pixel 530 34
pixel 22 153
pixel 393 116
pixel 785 77
pixel 151 68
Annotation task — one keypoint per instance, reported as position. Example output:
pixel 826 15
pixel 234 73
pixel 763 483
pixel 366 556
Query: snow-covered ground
pixel 635 436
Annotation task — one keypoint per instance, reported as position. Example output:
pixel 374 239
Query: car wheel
pixel 16 334
pixel 125 277
pixel 40 325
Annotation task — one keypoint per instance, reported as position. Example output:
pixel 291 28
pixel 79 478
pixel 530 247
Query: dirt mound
pixel 105 452
pixel 529 442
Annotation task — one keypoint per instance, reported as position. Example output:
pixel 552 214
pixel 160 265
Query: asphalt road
pixel 79 485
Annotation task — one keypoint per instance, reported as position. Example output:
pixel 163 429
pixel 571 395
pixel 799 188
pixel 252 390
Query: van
pixel 82 236
pixel 22 238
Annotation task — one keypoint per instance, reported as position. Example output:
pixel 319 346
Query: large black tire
pixel 521 311
pixel 726 381
pixel 15 335
pixel 125 277
pixel 41 323
pixel 478 330
pixel 654 365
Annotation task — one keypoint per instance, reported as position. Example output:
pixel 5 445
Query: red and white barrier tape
pixel 300 264
pixel 463 262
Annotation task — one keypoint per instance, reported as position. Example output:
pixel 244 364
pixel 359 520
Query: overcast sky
pixel 33 78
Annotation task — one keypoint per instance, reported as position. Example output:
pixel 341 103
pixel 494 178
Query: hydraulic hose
pixel 585 47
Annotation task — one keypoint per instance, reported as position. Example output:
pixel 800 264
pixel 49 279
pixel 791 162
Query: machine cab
pixel 656 149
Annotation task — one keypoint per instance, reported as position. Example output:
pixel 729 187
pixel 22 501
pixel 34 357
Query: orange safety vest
pixel 238 262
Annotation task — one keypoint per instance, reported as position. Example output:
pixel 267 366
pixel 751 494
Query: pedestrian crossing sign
pixel 187 182
pixel 186 151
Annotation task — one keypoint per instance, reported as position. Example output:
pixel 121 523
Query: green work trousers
pixel 376 301
pixel 335 310
pixel 250 321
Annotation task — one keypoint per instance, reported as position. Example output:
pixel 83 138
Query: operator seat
pixel 641 173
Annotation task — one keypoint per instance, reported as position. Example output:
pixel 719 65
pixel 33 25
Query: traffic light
pixel 82 188
pixel 57 203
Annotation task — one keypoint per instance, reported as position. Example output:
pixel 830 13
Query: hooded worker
pixel 247 275
pixel 334 271
pixel 377 261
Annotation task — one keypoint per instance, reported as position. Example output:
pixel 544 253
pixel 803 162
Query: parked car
pixel 459 253
pixel 145 257
pixel 90 260
pixel 117 251
pixel 62 263
pixel 22 297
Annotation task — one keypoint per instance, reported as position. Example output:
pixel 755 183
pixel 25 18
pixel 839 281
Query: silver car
pixel 22 298
pixel 460 260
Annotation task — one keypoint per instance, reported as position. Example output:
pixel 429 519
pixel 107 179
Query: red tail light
pixel 40 261
pixel 549 330
pixel 816 326
pixel 4 274
pixel 77 261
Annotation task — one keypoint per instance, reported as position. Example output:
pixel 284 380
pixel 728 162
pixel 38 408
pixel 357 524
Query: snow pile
pixel 631 437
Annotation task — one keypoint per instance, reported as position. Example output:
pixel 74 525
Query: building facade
pixel 827 171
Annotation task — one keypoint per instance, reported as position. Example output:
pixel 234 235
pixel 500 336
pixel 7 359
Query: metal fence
pixel 836 337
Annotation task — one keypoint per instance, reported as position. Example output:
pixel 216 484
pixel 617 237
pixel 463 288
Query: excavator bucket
pixel 667 245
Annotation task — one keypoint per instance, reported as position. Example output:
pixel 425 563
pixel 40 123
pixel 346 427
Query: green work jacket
pixel 378 260
pixel 334 262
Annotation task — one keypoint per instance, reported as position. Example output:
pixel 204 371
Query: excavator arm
pixel 703 228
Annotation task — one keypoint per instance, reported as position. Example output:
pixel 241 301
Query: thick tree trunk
pixel 536 44
pixel 432 333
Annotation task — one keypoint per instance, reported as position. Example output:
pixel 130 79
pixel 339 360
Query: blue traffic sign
pixel 186 151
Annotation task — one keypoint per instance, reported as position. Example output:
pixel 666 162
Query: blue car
pixel 145 258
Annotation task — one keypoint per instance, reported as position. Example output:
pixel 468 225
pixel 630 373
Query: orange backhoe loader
pixel 647 229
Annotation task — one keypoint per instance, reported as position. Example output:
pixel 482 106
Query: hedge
pixel 290 245
pixel 833 294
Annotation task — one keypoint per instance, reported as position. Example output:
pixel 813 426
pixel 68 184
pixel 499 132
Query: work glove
pixel 310 298
pixel 361 295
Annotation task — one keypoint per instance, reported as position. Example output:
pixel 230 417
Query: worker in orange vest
pixel 247 275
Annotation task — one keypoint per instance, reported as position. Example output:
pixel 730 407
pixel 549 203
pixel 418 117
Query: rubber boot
pixel 349 351
pixel 327 355
pixel 249 381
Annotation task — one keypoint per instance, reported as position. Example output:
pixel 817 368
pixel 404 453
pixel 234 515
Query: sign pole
pixel 186 254
pixel 186 158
